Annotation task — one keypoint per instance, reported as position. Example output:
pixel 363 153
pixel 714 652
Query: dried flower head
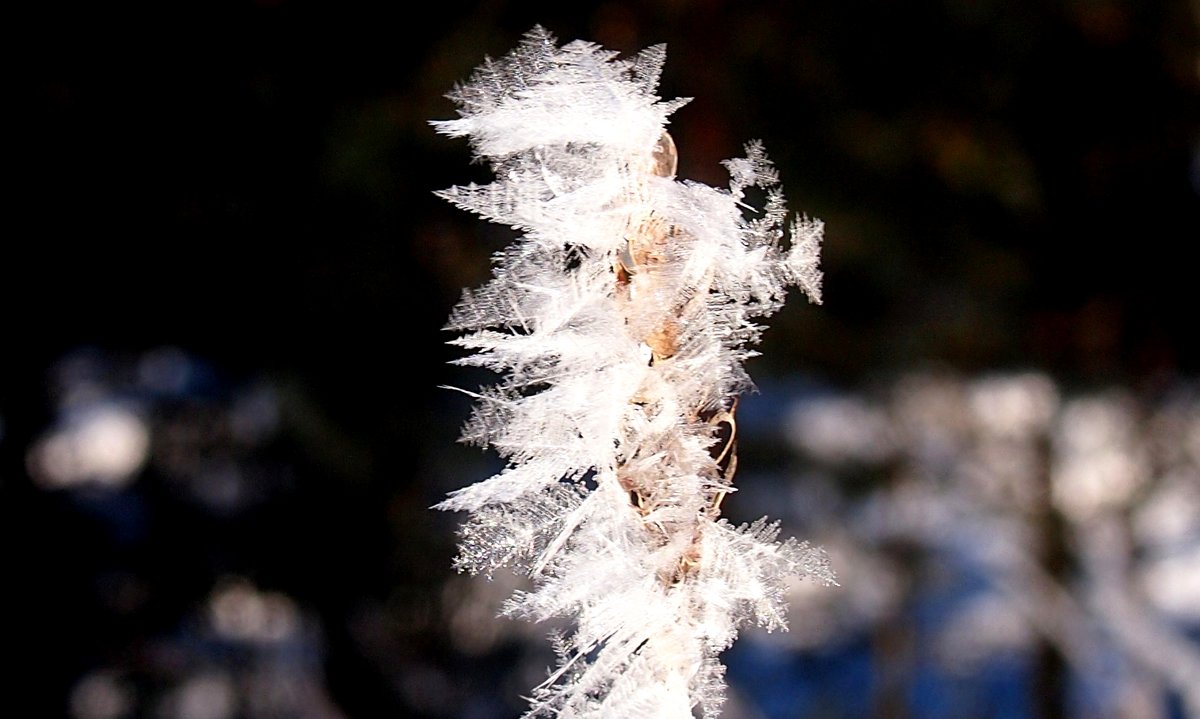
pixel 619 321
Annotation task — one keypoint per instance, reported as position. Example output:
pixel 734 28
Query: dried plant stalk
pixel 620 320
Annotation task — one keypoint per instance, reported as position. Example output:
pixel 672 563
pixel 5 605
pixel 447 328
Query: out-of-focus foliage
pixel 1000 532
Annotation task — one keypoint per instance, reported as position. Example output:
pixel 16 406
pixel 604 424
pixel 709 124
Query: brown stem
pixel 638 271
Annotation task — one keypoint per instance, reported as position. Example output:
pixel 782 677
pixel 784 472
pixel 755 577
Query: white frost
pixel 619 322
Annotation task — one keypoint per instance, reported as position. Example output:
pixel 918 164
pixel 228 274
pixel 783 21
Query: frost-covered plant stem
pixel 619 320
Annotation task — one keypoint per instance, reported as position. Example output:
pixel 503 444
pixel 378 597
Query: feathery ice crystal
pixel 619 322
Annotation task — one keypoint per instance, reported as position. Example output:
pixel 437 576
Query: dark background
pixel 1004 184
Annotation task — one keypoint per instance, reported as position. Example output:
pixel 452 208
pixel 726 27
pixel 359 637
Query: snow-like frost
pixel 619 322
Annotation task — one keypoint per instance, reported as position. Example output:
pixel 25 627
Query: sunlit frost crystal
pixel 619 322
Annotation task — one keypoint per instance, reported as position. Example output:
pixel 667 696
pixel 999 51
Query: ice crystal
pixel 619 321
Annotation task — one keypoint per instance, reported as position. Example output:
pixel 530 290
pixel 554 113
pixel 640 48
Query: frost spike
pixel 619 322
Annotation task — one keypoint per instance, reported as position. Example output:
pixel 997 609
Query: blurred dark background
pixel 220 422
